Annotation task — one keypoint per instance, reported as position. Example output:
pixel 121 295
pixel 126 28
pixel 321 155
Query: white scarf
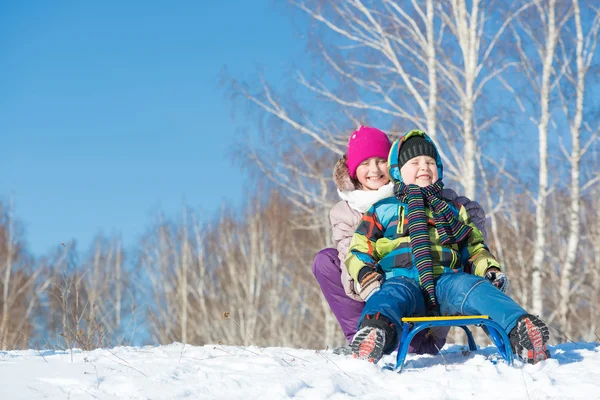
pixel 362 200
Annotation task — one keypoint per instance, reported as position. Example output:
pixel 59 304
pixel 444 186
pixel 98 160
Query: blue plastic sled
pixel 412 326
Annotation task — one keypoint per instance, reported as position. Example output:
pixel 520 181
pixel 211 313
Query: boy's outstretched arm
pixel 479 255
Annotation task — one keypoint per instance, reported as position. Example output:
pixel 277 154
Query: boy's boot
pixel 529 338
pixel 374 338
pixel 368 344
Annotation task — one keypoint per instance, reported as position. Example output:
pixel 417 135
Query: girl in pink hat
pixel 361 177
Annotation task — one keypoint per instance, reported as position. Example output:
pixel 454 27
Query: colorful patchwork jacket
pixel 382 240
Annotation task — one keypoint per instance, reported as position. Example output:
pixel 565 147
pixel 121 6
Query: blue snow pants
pixel 457 293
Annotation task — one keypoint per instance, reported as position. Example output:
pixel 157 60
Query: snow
pixel 233 372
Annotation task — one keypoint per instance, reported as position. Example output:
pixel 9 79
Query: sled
pixel 413 325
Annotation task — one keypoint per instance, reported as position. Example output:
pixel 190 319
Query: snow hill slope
pixel 180 371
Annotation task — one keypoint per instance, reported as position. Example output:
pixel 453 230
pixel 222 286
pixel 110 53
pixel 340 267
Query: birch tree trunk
pixel 583 58
pixel 4 331
pixel 575 159
pixel 467 28
pixel 595 292
pixel 431 68
pixel 467 76
pixel 120 286
pixel 540 213
pixel 184 271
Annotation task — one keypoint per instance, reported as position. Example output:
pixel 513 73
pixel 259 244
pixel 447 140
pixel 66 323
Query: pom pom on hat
pixel 364 143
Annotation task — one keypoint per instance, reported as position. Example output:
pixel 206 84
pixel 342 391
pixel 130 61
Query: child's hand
pixel 370 282
pixel 497 278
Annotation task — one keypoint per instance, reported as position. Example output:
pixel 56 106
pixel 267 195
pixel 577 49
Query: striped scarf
pixel 450 229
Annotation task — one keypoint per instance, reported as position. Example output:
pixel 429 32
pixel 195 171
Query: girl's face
pixel 420 170
pixel 372 173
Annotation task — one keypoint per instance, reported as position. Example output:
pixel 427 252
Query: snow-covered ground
pixel 227 372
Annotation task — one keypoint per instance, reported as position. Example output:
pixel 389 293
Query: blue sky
pixel 111 111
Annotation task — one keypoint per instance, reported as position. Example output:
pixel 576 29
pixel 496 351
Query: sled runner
pixel 412 326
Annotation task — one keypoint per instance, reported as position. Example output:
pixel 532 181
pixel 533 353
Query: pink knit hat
pixel 364 143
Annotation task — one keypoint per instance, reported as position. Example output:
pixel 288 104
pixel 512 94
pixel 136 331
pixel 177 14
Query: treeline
pixel 242 280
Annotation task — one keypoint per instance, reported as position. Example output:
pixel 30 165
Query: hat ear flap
pixel 393 168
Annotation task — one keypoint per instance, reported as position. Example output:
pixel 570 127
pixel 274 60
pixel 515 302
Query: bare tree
pixel 592 230
pixel 584 51
pixel 383 46
pixel 19 283
pixel 157 259
pixel 546 49
pixel 88 303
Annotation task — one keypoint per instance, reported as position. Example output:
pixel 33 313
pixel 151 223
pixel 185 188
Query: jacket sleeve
pixel 344 221
pixel 474 209
pixel 476 213
pixel 479 256
pixel 343 225
pixel 362 251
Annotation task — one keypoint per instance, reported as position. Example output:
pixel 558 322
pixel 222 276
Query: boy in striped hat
pixel 417 254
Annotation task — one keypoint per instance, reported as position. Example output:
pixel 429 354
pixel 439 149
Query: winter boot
pixel 368 344
pixel 529 338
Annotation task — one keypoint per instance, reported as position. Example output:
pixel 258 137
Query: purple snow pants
pixel 327 270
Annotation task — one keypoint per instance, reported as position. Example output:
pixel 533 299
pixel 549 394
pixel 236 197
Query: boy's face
pixel 420 170
pixel 372 173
